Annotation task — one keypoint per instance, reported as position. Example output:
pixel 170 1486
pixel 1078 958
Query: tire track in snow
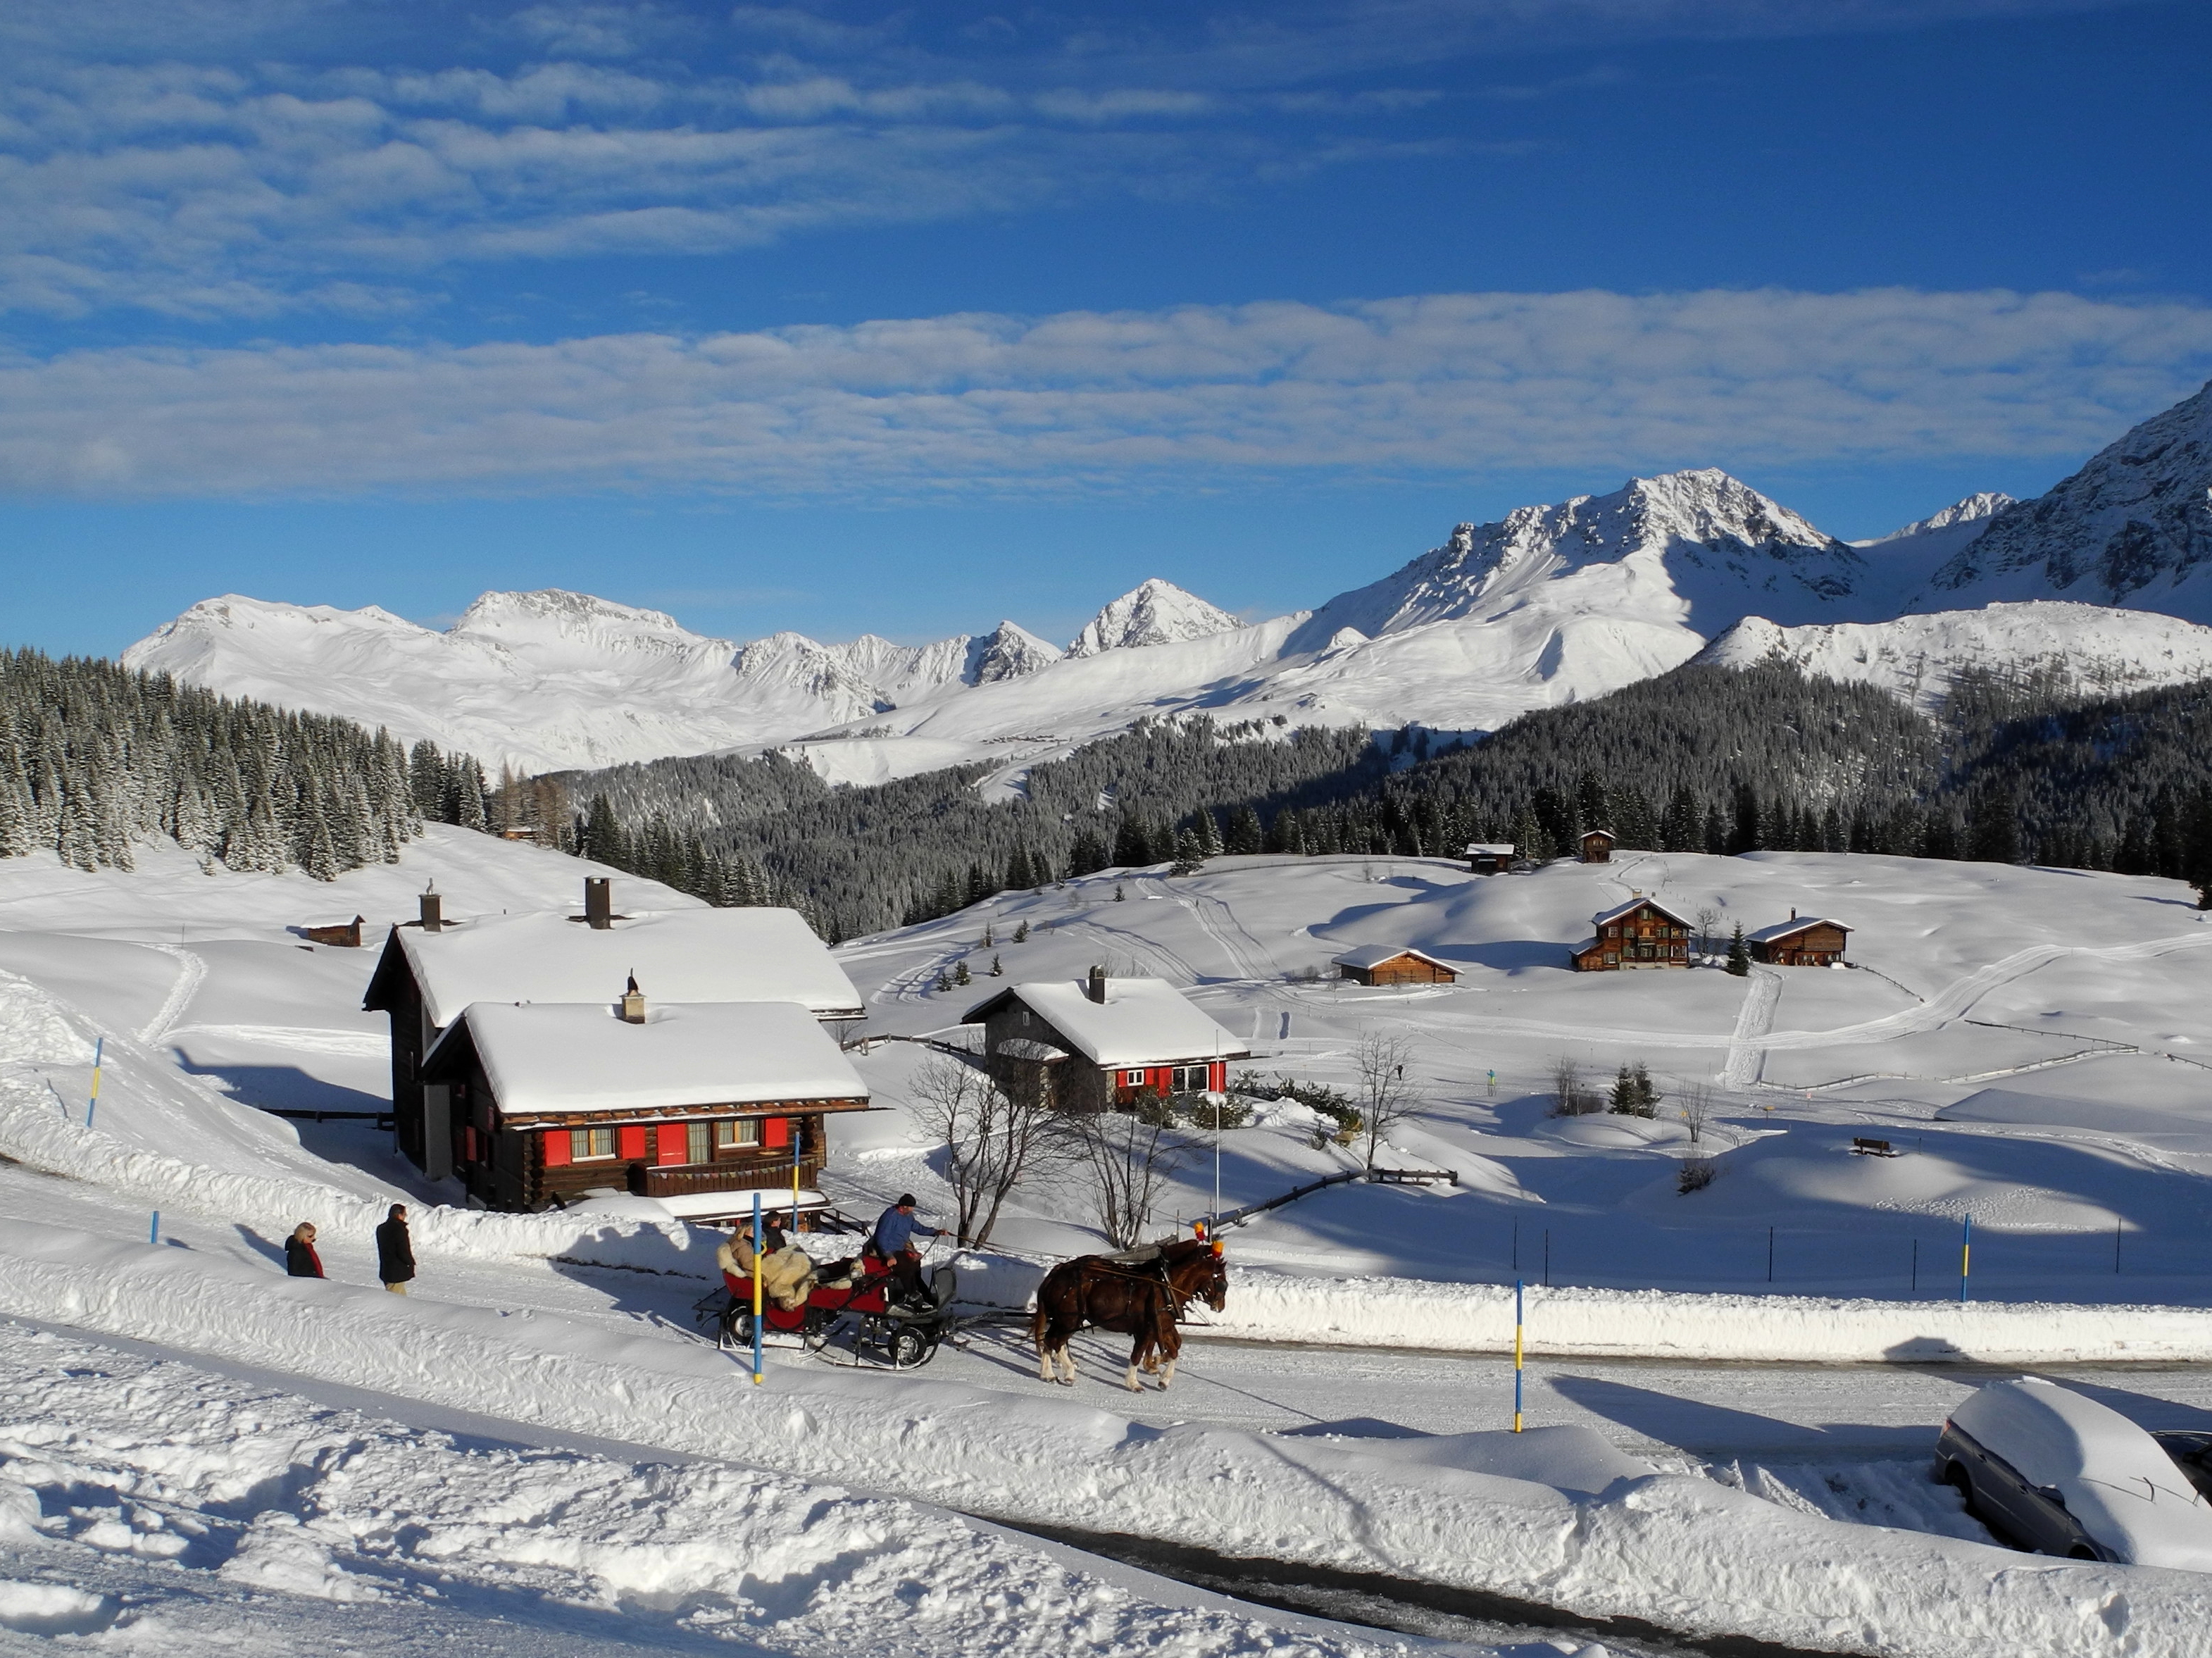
pixel 191 973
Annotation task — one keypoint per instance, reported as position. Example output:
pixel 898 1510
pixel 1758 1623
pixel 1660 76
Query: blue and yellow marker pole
pixel 757 1376
pixel 1516 1354
pixel 1965 1255
pixel 91 1105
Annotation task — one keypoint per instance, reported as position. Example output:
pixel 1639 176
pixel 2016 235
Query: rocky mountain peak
pixel 1156 612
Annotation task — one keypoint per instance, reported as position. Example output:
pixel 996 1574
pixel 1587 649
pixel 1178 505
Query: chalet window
pixel 701 1148
pixel 585 1143
pixel 1133 1079
pixel 1189 1079
pixel 1026 1018
pixel 731 1136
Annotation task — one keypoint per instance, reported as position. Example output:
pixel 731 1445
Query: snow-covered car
pixel 2059 1473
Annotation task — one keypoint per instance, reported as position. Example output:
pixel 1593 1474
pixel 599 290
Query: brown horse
pixel 1143 1298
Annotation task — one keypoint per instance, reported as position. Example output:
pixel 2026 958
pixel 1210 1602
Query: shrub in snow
pixel 1634 1093
pixel 1697 1174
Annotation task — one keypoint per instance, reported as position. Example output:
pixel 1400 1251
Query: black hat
pixel 906 1201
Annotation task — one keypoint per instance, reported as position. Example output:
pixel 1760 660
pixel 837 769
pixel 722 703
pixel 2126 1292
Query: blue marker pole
pixel 758 1377
pixel 1965 1255
pixel 154 1232
pixel 1516 1355
pixel 98 1049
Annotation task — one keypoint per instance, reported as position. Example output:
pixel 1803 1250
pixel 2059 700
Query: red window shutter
pixel 556 1148
pixel 673 1147
pixel 629 1141
pixel 1217 1076
pixel 776 1132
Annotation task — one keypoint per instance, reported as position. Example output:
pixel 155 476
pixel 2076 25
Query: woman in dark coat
pixel 301 1260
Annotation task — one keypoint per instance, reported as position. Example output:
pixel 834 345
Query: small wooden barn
pixel 1642 932
pixel 698 1104
pixel 1594 845
pixel 1393 964
pixel 1807 941
pixel 1097 1041
pixel 1489 857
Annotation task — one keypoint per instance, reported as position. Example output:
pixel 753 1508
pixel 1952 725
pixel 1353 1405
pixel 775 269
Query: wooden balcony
pixel 736 1175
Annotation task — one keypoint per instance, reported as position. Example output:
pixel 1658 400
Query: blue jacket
pixel 895 1232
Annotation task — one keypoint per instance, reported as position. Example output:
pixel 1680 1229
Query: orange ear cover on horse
pixel 1221 1246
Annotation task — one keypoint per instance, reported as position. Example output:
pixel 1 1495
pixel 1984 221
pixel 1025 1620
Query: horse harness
pixel 1154 1271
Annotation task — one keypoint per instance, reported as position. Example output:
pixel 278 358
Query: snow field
pixel 1700 1556
pixel 107 1458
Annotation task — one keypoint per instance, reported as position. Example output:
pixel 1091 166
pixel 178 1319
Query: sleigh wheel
pixel 738 1327
pixel 910 1348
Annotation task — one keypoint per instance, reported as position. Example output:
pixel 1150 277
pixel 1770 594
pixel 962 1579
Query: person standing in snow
pixel 896 1228
pixel 301 1260
pixel 395 1251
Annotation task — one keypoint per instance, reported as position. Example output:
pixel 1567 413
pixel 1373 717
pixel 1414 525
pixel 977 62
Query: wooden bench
pixel 1866 1148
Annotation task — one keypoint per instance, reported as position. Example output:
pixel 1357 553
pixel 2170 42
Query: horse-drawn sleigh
pixel 860 1299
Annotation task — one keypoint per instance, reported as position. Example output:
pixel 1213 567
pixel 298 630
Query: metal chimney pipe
pixel 434 918
pixel 598 902
pixel 1096 988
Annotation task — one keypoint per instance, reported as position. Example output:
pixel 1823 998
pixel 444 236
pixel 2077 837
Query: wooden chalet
pixel 433 969
pixel 1594 845
pixel 1097 1041
pixel 1642 932
pixel 1391 964
pixel 1489 857
pixel 698 1104
pixel 1799 942
pixel 343 935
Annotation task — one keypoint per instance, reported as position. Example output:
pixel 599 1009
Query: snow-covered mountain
pixel 2132 528
pixel 1549 604
pixel 2091 649
pixel 1155 612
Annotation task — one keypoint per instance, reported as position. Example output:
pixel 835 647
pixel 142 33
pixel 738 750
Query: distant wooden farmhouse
pixel 697 1104
pixel 433 970
pixel 1393 964
pixel 1098 1041
pixel 1642 932
pixel 1806 942
pixel 1594 845
pixel 1489 857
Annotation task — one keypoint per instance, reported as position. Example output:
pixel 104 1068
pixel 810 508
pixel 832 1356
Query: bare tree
pixel 998 1126
pixel 1708 918
pixel 1387 1098
pixel 1128 1156
pixel 1694 1099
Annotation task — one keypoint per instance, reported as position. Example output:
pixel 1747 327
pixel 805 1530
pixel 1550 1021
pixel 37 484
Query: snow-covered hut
pixel 1100 1041
pixel 1393 964
pixel 695 1103
pixel 1642 932
pixel 1809 941
pixel 1489 857
pixel 1594 845
pixel 434 968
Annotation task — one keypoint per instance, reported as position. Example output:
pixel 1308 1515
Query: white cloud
pixel 1441 384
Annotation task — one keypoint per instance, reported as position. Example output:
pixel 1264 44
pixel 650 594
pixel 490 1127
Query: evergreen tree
pixel 1021 933
pixel 962 976
pixel 1739 953
pixel 1992 828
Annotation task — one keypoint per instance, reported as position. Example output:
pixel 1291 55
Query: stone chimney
pixel 598 902
pixel 633 1001
pixel 1793 912
pixel 433 915
pixel 1095 986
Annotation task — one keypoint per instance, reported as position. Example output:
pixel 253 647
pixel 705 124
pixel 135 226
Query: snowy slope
pixel 2088 647
pixel 2133 527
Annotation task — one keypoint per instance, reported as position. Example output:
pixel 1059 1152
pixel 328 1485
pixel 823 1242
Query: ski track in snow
pixel 191 972
pixel 1746 1053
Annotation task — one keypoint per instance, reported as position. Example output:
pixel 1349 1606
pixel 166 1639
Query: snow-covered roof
pixel 1489 849
pixel 1607 833
pixel 1141 1022
pixel 749 955
pixel 583 1056
pixel 1615 913
pixel 1784 929
pixel 1375 955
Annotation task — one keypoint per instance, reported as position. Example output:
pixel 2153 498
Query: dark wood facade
pixel 536 1160
pixel 1803 944
pixel 1640 933
pixel 1407 967
pixel 1489 859
pixel 1017 1037
pixel 1596 846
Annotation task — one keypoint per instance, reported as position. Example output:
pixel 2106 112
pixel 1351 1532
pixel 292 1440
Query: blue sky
pixel 858 317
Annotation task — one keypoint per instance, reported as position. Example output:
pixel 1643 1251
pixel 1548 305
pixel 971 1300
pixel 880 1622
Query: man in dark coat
pixel 395 1251
pixel 301 1260
pixel 892 1242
